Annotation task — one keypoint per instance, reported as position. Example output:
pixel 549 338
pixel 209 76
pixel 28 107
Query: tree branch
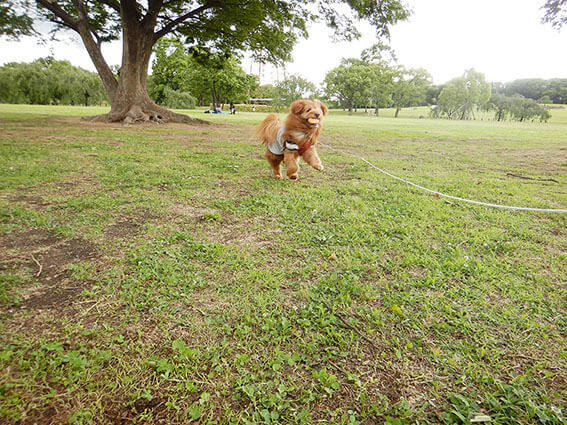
pixel 154 7
pixel 171 26
pixel 152 14
pixel 67 19
pixel 112 4
pixel 94 48
pixel 83 14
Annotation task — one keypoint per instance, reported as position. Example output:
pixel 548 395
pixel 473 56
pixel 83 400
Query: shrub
pixel 178 100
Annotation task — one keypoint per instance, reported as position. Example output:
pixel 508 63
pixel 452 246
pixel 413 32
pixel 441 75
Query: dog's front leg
pixel 291 160
pixel 310 156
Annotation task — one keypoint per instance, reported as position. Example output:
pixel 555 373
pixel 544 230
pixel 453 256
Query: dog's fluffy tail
pixel 267 131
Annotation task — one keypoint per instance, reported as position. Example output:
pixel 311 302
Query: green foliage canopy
pixel 409 87
pixel 209 77
pixel 350 82
pixel 461 95
pixel 47 81
pixel 269 28
pixel 13 21
pixel 374 80
pixel 294 87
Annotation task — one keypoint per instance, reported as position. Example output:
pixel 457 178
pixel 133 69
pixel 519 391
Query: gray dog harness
pixel 277 146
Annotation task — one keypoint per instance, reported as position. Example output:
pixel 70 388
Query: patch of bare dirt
pixel 28 240
pixel 46 416
pixel 123 229
pixel 191 212
pixel 128 226
pixel 122 411
pixel 229 230
pixel 126 127
pixel 35 202
pixel 56 258
pixel 67 188
pixel 240 234
pixel 48 258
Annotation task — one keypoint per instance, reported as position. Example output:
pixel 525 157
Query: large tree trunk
pixel 128 96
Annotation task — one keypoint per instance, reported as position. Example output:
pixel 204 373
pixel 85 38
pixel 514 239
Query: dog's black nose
pixel 317 115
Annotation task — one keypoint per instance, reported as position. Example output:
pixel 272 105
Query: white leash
pixel 507 207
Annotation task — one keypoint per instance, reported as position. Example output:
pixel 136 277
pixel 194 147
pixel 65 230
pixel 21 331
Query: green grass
pixel 157 274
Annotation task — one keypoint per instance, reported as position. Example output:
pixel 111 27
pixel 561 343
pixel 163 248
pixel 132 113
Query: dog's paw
pixel 318 167
pixel 278 176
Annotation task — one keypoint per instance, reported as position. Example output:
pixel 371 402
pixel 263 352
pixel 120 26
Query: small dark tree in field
pixel 461 95
pixel 500 104
pixel 522 109
pixel 269 28
pixel 516 108
pixel 410 87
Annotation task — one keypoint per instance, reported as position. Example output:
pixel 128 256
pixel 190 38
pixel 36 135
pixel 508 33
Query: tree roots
pixel 153 114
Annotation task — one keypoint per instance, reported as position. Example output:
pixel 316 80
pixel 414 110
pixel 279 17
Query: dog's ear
pixel 323 108
pixel 297 107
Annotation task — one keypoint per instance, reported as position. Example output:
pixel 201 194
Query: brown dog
pixel 298 137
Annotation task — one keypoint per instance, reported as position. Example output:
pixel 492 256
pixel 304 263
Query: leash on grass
pixel 470 201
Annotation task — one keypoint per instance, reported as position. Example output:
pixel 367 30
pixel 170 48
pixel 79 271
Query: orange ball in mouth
pixel 313 121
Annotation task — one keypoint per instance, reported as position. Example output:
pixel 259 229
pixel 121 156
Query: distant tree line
pixel 460 97
pixel 376 81
pixel 542 91
pixel 47 81
pixel 516 108
pixel 183 78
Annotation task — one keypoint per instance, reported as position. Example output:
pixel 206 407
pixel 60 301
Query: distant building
pixel 261 100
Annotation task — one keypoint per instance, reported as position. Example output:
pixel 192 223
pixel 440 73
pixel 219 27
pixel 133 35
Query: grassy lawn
pixel 158 274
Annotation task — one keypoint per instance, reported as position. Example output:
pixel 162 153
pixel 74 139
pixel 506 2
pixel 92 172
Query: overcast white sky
pixel 504 39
